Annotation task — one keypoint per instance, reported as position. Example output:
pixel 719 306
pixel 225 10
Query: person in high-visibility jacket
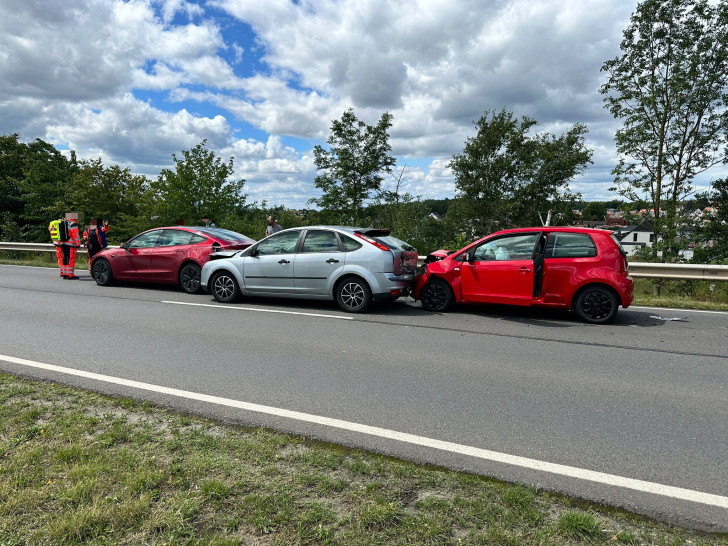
pixel 95 238
pixel 66 248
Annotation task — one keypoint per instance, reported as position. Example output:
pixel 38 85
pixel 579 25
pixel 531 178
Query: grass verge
pixel 81 467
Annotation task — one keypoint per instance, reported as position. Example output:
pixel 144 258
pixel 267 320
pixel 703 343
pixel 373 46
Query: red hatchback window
pixel 570 245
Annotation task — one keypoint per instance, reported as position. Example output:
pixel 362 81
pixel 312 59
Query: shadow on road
pixel 407 307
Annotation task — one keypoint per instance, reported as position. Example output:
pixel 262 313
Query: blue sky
pixel 133 82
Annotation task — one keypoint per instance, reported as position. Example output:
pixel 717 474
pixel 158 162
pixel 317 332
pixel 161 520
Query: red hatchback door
pixel 500 270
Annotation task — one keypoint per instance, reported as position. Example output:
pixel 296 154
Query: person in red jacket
pixel 95 241
pixel 66 250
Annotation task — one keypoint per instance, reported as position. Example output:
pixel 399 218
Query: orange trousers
pixel 66 259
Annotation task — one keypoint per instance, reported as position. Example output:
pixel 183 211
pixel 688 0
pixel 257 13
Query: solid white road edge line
pixel 532 464
pixel 677 309
pixel 258 310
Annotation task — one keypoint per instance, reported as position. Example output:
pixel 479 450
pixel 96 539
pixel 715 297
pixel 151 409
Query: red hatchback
pixel 581 269
pixel 168 255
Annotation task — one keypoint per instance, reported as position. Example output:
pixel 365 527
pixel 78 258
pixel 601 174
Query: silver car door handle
pixel 283 262
pixel 332 261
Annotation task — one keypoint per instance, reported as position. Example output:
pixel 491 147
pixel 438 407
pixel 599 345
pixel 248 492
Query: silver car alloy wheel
pixel 352 294
pixel 224 286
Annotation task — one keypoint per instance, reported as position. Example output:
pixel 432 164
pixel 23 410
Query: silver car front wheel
pixel 224 287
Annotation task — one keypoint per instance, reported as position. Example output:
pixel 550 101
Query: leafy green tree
pixel 669 87
pixel 712 232
pixel 12 154
pixel 510 177
pixel 46 176
pixel 552 162
pixel 198 185
pixel 352 167
pixel 253 221
pixel 113 194
pixel 594 211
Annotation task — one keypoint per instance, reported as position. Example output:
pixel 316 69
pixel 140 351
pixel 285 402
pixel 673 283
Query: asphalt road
pixel 633 414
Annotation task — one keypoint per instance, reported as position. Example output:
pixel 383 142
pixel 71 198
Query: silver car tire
pixel 224 287
pixel 353 295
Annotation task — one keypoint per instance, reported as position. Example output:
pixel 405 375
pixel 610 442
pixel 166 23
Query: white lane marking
pixel 523 462
pixel 258 310
pixel 678 309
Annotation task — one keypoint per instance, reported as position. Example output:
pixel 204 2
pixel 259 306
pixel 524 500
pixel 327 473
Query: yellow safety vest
pixel 53 227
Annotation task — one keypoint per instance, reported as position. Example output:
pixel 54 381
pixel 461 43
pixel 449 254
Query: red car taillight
pixel 369 240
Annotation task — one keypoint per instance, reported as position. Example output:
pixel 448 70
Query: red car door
pixel 133 260
pixel 500 270
pixel 167 256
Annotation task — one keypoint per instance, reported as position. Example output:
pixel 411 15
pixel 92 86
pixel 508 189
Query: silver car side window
pixel 279 243
pixel 320 241
pixel 350 243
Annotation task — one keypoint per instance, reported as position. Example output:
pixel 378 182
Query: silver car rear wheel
pixel 353 295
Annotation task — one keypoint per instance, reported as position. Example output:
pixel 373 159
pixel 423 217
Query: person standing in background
pixel 272 226
pixel 95 238
pixel 65 236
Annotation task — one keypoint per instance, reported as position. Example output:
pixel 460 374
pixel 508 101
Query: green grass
pixel 682 294
pixel 79 467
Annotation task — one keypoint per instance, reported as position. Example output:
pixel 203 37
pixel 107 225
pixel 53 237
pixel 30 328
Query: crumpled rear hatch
pixel 405 255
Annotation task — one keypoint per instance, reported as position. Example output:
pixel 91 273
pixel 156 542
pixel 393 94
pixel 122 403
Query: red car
pixel 167 255
pixel 580 269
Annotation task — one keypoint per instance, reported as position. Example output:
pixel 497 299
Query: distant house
pixel 635 237
pixel 616 218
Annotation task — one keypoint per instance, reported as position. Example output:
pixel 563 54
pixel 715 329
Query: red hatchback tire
pixel 596 304
pixel 437 296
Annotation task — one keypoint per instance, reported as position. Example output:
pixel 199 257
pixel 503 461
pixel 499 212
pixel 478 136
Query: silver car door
pixel 269 269
pixel 319 257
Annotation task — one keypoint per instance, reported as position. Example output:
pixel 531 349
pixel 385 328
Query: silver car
pixel 354 266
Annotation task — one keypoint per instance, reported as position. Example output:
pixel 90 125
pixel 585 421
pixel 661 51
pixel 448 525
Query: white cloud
pixel 138 80
pixel 438 66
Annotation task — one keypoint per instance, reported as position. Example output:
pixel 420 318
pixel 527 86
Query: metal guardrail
pixel 696 272
pixel 37 247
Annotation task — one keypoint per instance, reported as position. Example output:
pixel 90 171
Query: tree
pixel 110 193
pixel 352 167
pixel 12 153
pixel 712 232
pixel 44 185
pixel 197 185
pixel 594 210
pixel 669 88
pixel 508 176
